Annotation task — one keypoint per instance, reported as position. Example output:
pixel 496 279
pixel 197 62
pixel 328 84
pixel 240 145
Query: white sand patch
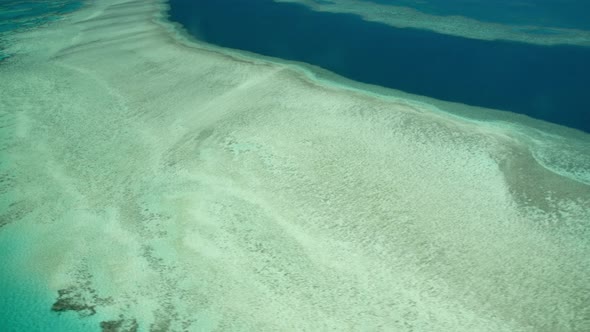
pixel 193 189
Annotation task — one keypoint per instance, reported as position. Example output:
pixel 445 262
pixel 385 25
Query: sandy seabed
pixel 157 184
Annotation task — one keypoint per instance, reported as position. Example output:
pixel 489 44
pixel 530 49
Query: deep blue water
pixel 546 82
pixel 554 13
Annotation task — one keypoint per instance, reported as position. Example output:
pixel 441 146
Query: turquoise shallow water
pixel 17 15
pixel 29 14
pixel 25 301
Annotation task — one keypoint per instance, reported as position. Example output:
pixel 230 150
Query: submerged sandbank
pixel 455 25
pixel 177 186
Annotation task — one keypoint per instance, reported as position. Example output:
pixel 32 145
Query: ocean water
pixel 572 14
pixel 25 302
pixel 166 185
pixel 18 15
pixel 544 82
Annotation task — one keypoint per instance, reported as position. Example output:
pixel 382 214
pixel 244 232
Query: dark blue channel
pixel 546 82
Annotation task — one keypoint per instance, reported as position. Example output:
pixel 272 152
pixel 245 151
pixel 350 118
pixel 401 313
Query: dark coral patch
pixel 71 299
pixel 120 325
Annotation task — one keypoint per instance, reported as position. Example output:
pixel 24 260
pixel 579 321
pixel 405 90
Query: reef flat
pixel 154 183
